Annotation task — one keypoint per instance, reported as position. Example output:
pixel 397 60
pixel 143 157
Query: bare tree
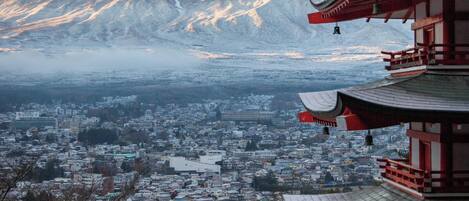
pixel 75 193
pixel 79 193
pixel 128 190
pixel 9 179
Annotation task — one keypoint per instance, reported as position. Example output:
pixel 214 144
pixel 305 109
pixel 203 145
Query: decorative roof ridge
pixel 323 4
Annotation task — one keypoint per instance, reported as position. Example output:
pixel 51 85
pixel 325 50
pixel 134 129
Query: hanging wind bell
pixel 336 29
pixel 325 131
pixel 369 139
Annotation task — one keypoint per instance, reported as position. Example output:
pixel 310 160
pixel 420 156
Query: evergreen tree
pixel 126 166
pixel 266 183
pixel 328 178
pixel 98 136
pixel 251 146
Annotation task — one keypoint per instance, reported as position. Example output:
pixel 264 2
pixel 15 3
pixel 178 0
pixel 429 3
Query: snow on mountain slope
pixel 205 22
pixel 235 33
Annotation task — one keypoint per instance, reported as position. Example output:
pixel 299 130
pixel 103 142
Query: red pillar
pixel 447 153
pixel 449 26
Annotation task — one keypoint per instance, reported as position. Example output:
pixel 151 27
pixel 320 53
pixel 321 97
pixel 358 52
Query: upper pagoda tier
pixel 343 10
pixel 440 28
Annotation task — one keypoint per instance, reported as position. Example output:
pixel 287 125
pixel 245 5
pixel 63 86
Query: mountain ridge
pixel 181 22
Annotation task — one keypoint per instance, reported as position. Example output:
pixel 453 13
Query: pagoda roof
pixel 343 10
pixel 323 103
pixel 428 92
pixel 448 93
pixel 329 103
pixel 383 192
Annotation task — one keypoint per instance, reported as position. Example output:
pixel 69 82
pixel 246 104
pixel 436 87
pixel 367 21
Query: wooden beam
pixel 408 14
pixel 426 22
pixel 449 36
pixel 351 122
pixel 354 10
pixel 424 136
pixel 447 152
pixel 388 15
pixel 306 117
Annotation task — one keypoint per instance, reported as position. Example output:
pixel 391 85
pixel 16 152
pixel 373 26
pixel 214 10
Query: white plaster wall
pixel 439 35
pixel 415 153
pixel 436 160
pixel 436 7
pixel 419 36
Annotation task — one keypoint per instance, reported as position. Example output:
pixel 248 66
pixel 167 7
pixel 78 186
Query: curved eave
pixel 427 92
pixel 421 107
pixel 353 9
pixel 325 104
pixel 372 111
pixel 428 96
pixel 329 104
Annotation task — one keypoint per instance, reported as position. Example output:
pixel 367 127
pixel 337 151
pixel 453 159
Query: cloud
pixel 97 60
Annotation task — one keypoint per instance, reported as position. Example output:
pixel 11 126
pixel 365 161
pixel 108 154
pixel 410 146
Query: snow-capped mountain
pixel 230 23
pixel 92 35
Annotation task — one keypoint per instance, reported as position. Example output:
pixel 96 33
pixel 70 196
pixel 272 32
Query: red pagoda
pixel 428 88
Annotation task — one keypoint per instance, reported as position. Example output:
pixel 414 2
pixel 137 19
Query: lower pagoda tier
pixel 428 89
pixel 436 107
pixel 429 97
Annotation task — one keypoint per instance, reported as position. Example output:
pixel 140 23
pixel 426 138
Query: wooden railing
pixel 434 54
pixel 406 58
pixel 458 182
pixel 399 171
